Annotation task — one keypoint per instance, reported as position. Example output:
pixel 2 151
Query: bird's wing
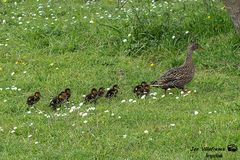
pixel 31 98
pixel 171 75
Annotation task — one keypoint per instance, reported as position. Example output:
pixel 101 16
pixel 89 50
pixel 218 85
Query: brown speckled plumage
pixel 178 77
pixel 92 97
pixel 112 92
pixel 142 89
pixel 31 100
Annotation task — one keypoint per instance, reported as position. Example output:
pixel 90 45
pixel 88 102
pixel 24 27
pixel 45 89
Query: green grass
pixel 74 53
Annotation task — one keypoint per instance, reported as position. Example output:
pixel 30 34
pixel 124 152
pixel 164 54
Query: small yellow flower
pixel 152 65
pixel 20 62
pixel 209 17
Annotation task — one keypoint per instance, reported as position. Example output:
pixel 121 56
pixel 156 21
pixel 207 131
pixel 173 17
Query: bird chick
pixel 68 93
pixel 57 101
pixel 142 89
pixel 101 92
pixel 31 100
pixel 112 92
pixel 146 89
pixel 92 97
pixel 138 90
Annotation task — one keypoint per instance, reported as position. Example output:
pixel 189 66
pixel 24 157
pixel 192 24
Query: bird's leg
pixel 165 91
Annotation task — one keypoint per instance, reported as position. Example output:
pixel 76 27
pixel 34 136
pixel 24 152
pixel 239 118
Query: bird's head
pixel 147 86
pixel 94 91
pixel 144 83
pixel 115 86
pixel 37 94
pixel 67 90
pixel 194 46
pixel 101 89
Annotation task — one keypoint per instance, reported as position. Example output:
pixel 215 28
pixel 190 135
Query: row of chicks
pixel 140 90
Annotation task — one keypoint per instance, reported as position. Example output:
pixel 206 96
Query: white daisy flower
pixel 143 97
pixel 124 136
pixel 146 131
pixel 84 114
pixel 196 112
pixel 172 125
pixel 130 100
pixel 13 131
pixel 123 101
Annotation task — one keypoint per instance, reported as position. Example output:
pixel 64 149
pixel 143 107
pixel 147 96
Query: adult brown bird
pixel 112 92
pixel 31 100
pixel 180 76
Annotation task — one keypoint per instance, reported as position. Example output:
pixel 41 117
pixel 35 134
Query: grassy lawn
pixel 48 46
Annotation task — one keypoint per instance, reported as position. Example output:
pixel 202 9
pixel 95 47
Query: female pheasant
pixel 178 77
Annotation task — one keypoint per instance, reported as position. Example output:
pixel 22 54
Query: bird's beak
pixel 201 48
